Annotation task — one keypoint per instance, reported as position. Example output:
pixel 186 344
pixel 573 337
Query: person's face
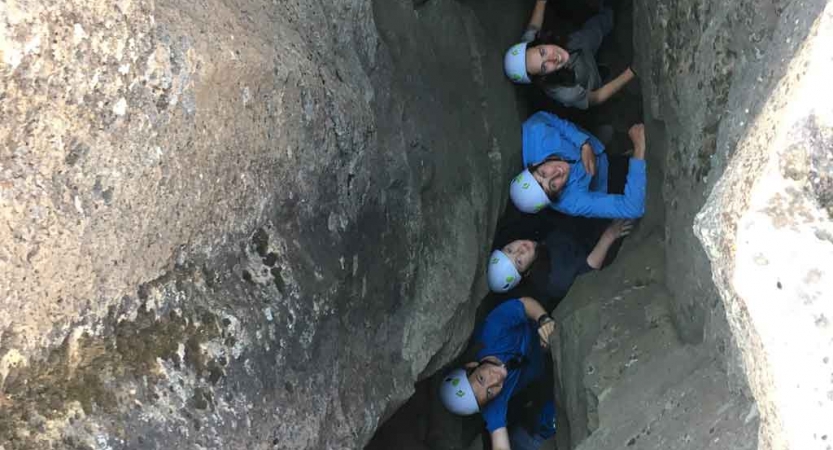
pixel 545 59
pixel 552 176
pixel 487 379
pixel 521 253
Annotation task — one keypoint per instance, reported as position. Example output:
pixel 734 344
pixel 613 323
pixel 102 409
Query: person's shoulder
pixel 529 35
pixel 509 306
pixel 567 95
pixel 494 412
pixel 539 117
pixel 507 313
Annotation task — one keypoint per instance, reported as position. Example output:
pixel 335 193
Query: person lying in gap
pixel 564 67
pixel 568 170
pixel 511 356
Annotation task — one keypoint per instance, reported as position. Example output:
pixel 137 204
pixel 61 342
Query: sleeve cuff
pixel 638 164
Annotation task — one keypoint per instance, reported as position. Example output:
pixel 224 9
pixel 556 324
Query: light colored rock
pixel 767 229
pixel 734 96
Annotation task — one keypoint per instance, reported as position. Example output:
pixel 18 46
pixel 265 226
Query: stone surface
pixel 767 229
pixel 237 224
pixel 628 379
pixel 734 92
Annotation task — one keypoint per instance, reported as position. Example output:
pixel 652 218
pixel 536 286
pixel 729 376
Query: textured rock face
pixel 628 380
pixel 735 91
pixel 231 224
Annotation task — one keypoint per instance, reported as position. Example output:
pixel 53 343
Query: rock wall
pixel 734 94
pixel 237 224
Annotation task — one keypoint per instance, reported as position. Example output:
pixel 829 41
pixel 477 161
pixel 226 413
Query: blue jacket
pixel 507 333
pixel 546 134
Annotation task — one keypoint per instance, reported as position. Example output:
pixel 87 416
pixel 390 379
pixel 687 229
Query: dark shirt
pixel 568 260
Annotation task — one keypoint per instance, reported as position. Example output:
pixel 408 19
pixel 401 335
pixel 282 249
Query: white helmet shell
pixel 502 274
pixel 527 195
pixel 457 395
pixel 514 64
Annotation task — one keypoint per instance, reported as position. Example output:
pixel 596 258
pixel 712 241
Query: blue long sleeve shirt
pixel 546 134
pixel 507 333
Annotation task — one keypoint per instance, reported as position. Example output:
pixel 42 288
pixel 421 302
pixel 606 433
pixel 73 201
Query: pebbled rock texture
pixel 238 224
pixel 735 94
pixel 628 381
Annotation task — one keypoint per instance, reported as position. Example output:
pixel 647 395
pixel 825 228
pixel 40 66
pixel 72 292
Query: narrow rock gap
pixel 235 224
pixel 619 352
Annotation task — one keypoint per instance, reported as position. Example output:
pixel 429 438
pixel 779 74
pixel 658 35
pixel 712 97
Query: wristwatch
pixel 544 318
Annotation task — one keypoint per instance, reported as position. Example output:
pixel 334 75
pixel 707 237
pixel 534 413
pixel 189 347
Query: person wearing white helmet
pixel 564 68
pixel 567 169
pixel 553 263
pixel 510 357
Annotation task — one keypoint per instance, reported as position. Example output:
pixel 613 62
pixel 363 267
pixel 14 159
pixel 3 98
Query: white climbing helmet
pixel 502 274
pixel 457 395
pixel 514 64
pixel 527 195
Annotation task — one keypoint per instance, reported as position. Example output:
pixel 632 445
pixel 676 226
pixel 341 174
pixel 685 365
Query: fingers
pixel 619 228
pixel 637 132
pixel 544 333
pixel 589 163
pixel 626 228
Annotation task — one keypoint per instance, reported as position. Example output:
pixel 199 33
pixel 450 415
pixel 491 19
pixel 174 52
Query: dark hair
pixel 564 76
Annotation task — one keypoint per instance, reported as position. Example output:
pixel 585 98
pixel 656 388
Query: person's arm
pixel 500 439
pixel 601 95
pixel 630 205
pixel 537 19
pixel 619 228
pixel 532 308
pixel 566 129
pixel 534 311
pixel 588 159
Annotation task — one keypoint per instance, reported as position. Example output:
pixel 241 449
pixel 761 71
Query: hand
pixel 637 135
pixel 544 332
pixel 618 228
pixel 588 159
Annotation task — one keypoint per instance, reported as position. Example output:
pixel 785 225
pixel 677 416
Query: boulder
pixel 733 94
pixel 237 224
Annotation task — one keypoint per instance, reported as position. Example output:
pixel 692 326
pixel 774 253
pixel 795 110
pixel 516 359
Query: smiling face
pixel 545 59
pixel 552 176
pixel 487 379
pixel 521 253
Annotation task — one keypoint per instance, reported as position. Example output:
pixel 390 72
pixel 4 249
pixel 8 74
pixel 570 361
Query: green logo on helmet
pixel 539 206
pixel 460 393
pixel 516 77
pixel 455 382
pixel 525 186
pixel 515 51
pixel 510 278
pixel 494 260
pixel 519 178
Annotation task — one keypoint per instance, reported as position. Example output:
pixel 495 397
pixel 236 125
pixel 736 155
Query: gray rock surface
pixel 237 224
pixel 767 230
pixel 629 381
pixel 734 97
